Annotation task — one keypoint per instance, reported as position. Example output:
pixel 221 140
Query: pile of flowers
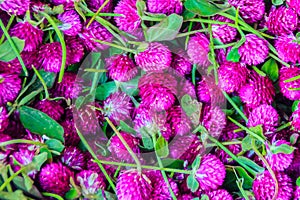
pixel 147 99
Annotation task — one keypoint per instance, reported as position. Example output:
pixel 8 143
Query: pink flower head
pixel 294 4
pixel 179 121
pixel 214 120
pixel 51 108
pixel 181 63
pixel 74 158
pixel 10 86
pixel 286 88
pixel 75 50
pixel 70 134
pixel 223 32
pixel 219 194
pixel 3 119
pixel 68 4
pixel 23 157
pixel 90 182
pixel 167 7
pixel 70 87
pixel 288 49
pixel 15 7
pixel 71 24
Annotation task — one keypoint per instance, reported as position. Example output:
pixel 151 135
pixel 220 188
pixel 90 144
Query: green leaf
pixel 201 7
pixel 295 105
pixel 172 163
pixel 277 2
pixel 192 183
pixel 115 51
pixel 6 51
pixel 251 164
pixel 19 183
pixel 166 30
pixel 187 105
pixel 29 97
pixel 27 181
pixel 230 179
pixel 39 160
pixel 258 130
pixel 293 139
pixel 46 150
pixel 147 141
pixel 233 55
pixel 141 7
pixel 126 128
pixel 72 194
pixel 247 143
pixel 104 90
pixel 40 123
pixel 55 145
pixel 188 15
pixel 161 147
pixel 196 163
pixel 298 181
pixel 284 148
pixel 130 87
pixel 18 194
pixel 271 69
pixel 203 197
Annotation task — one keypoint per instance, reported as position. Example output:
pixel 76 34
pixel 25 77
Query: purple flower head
pixel 94 5
pixel 4 153
pixel 130 20
pixel 181 63
pixel 71 24
pixel 264 115
pixel 250 10
pixel 198 49
pixel 286 73
pixel 186 197
pixel 74 158
pixel 55 178
pixel 219 194
pixel 23 157
pixel 121 68
pixel 117 107
pixel 70 87
pixel 294 4
pixel 15 7
pixel 279 161
pixel 223 32
pixel 165 6
pixel 75 48
pixel 3 119
pixel 282 21
pixel 186 87
pixel 288 49
pixel 297 193
pixel 179 121
pixel 258 90
pixel 264 186
pixel 214 120
pixel 296 120
pixel 254 51
pixel 118 150
pixel 157 90
pixel 94 32
pixel 90 182
pixel 51 108
pixel 68 4
pixel 156 57
pixel 10 86
pixel 232 76
pixel 211 173
pixel 70 134
pixel 133 185
pixel 32 35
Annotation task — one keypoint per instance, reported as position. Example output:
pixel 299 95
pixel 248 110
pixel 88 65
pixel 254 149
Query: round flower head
pixel 158 90
pixel 254 51
pixel 166 7
pixel 264 186
pixel 90 182
pixel 181 63
pixel 70 134
pixel 250 10
pixel 74 158
pixel 223 32
pixel 32 35
pixel 55 178
pixel 75 48
pixel 179 121
pixel 186 87
pixel 214 120
pixel 219 194
pixel 118 150
pixel 70 87
pixel 288 49
pixel 258 90
pixel 282 21
pixel 264 115
pixel 23 157
pixel 286 73
pixel 71 24
pixel 130 20
pixel 232 76
pixel 156 57
pixel 5 152
pixel 51 108
pixel 121 68
pixel 296 120
pixel 294 4
pixel 278 161
pixel 133 185
pixel 117 107
pixel 198 49
pixel 185 148
pixel 95 32
pixel 94 5
pixel 211 173
pixel 3 119
pixel 68 4
pixel 15 7
pixel 10 86
pixel 297 193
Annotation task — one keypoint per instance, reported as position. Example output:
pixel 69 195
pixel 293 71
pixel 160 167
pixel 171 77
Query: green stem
pixel 7 181
pixel 56 196
pixel 11 19
pixel 292 79
pixel 97 13
pixel 95 70
pixel 152 19
pixel 115 45
pixel 42 81
pixel 13 46
pixel 188 36
pixel 135 158
pixel 280 128
pixel 190 33
pixel 235 106
pixel 95 79
pixel 279 60
pixel 212 52
pixel 105 15
pixel 194 74
pixel 21 141
pixel 63 45
pixel 223 46
pixel 212 22
pixel 225 143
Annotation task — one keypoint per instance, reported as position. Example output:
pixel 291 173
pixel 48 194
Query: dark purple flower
pixel 90 182
pixel 71 24
pixel 214 120
pixel 23 156
pixel 179 121
pixel 51 108
pixel 70 134
pixel 223 32
pixel 10 86
pixel 286 73
pixel 3 119
pixel 75 50
pixel 219 194
pixel 70 87
pixel 4 152
pixel 282 20
pixel 186 87
pixel 94 5
pixel 181 63
pixel 15 7
pixel 167 7
pixel 288 49
pixel 296 120
pixel 68 4
pixel 74 158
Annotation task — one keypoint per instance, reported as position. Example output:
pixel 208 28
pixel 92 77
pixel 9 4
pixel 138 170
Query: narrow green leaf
pixel 294 138
pixel 196 163
pixel 19 183
pixel 126 128
pixel 54 144
pixel 271 69
pixel 192 183
pixel 233 55
pixel 201 7
pixel 161 147
pixel 247 143
pixel 141 7
pixel 27 181
pixel 39 160
pixel 284 148
pixel 18 194
pixel 295 105
pixel 6 51
pixel 72 194
pixel 251 164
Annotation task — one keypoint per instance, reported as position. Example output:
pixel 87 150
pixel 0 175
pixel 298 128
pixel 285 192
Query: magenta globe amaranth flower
pixel 296 120
pixel 74 158
pixel 70 134
pixel 186 197
pixel 117 107
pixel 264 115
pixel 219 194
pixel 68 4
pixel 258 90
pixel 214 120
pixel 223 32
pixel 5 152
pixel 3 119
pixel 181 63
pixel 121 68
pixel 288 49
pixel 156 57
pixel 250 10
pixel 297 193
pixel 286 88
pixel 23 157
pixel 55 178
pixel 198 49
pixel 10 86
pixel 264 186
pixel 75 50
pixel 51 108
pixel 179 121
pixel 211 173
pixel 32 35
pixel 70 87
pixel 278 161
pixel 15 7
pixel 282 21
pixel 94 5
pixel 90 182
pixel 294 4
pixel 133 185
pixel 186 87
pixel 167 7
pixel 232 76
pixel 71 24
pixel 254 50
